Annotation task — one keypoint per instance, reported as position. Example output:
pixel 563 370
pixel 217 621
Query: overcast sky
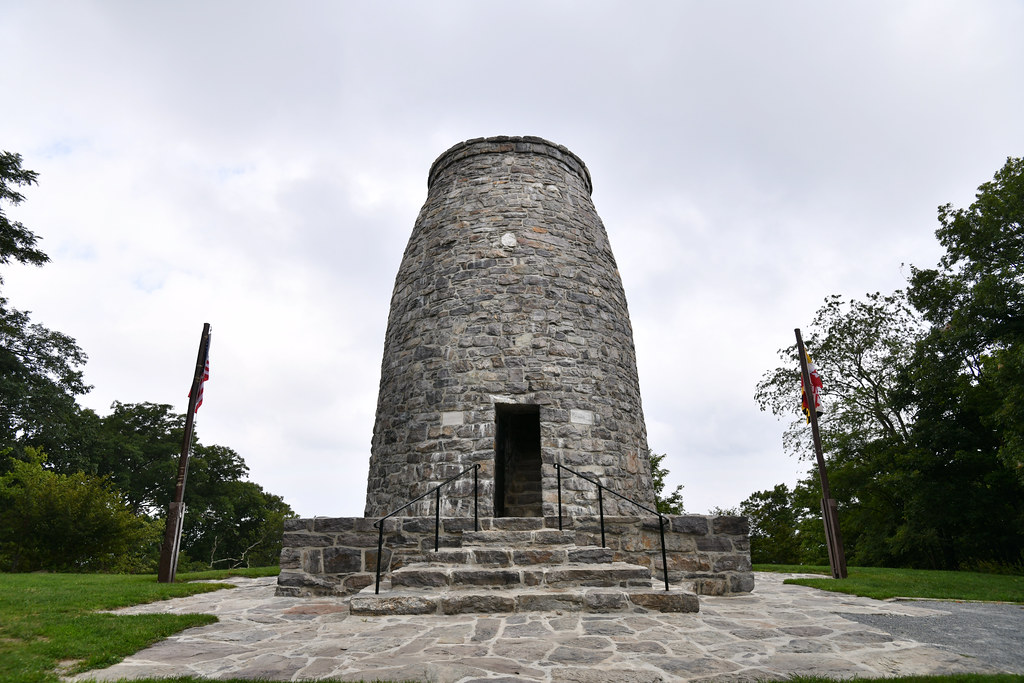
pixel 259 166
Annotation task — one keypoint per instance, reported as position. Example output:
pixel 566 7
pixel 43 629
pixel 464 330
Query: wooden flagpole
pixel 176 510
pixel 829 512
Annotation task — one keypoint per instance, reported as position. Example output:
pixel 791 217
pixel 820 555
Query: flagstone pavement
pixel 773 633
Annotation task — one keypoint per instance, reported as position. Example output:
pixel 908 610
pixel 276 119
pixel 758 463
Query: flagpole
pixel 829 511
pixel 176 510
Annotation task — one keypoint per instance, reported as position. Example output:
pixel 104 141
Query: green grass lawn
pixel 882 583
pixel 51 620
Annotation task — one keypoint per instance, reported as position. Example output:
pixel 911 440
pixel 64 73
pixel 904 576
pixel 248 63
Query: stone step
pixel 517 538
pixel 525 509
pixel 517 523
pixel 535 599
pixel 505 557
pixel 613 574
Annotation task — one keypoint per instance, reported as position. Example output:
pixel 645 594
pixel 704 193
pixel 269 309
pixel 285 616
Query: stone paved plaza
pixel 772 633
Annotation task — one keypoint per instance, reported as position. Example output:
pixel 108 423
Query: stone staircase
pixel 526 569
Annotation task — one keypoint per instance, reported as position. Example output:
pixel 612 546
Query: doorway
pixel 517 461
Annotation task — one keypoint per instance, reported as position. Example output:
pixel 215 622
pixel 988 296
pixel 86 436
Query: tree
pixel 773 526
pixel 137 446
pixel 75 522
pixel 860 348
pixel 228 521
pixel 673 503
pixel 974 300
pixel 924 419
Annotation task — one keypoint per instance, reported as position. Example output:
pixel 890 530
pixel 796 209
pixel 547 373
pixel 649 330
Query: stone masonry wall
pixel 338 556
pixel 508 293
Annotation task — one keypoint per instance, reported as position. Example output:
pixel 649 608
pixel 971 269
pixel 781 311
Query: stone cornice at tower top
pixel 501 144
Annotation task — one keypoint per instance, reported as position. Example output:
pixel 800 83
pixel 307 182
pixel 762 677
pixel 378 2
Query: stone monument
pixel 508 343
pixel 509 351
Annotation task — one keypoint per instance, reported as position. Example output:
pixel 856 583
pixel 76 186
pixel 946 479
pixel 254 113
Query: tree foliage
pixel 68 522
pixel 773 523
pixel 671 504
pixel 17 243
pixel 924 423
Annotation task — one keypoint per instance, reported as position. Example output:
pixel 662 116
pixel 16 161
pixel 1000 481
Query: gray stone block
pixel 485 577
pixel 715 544
pixel 666 601
pixel 291 558
pixel 492 557
pixel 547 602
pixel 732 563
pixel 380 605
pixel 689 524
pixel 415 577
pixel 299 540
pixel 741 582
pixel 333 524
pixel 298 525
pixel 475 603
pixel 518 523
pixel 730 525
pixel 596 601
pixel 342 560
pixel 591 555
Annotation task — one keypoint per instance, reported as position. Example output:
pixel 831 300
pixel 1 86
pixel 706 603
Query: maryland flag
pixel 816 386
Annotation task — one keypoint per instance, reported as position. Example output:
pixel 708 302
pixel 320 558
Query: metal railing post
pixel 380 552
pixel 437 516
pixel 558 469
pixel 476 500
pixel 600 508
pixel 664 559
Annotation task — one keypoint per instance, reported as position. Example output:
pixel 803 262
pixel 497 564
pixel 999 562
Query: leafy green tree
pixel 773 526
pixel 673 503
pixel 228 521
pixel 974 300
pixel 240 524
pixel 860 348
pixel 924 400
pixel 74 522
pixel 137 445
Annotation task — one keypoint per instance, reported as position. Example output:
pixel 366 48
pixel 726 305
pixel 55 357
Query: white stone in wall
pixel 581 417
pixel 452 417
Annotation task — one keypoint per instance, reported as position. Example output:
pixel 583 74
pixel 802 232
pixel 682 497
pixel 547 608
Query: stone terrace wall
pixel 338 556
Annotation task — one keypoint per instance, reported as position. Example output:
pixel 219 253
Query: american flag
pixel 206 375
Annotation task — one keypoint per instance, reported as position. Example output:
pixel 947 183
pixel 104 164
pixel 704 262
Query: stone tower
pixel 508 344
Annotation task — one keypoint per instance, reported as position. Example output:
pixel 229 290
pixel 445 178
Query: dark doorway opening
pixel 517 483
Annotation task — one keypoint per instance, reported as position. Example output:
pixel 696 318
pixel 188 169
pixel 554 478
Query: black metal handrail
pixel 437 514
pixel 600 508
